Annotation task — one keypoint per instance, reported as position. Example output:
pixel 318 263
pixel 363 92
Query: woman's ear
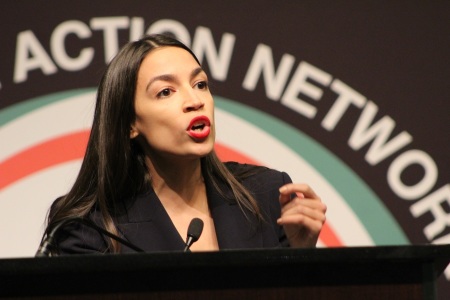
pixel 133 132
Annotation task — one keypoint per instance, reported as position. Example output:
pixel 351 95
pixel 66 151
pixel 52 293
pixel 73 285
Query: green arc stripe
pixel 14 111
pixel 376 218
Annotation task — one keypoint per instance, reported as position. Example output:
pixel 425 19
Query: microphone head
pixel 195 229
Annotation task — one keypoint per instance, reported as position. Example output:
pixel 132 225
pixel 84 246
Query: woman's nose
pixel 192 102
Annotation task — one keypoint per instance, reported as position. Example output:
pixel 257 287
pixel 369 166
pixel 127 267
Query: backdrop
pixel 350 98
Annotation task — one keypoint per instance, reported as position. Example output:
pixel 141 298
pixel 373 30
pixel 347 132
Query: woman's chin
pixel 202 150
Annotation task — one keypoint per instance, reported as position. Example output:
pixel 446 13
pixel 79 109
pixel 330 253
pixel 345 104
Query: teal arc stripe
pixel 16 110
pixel 373 214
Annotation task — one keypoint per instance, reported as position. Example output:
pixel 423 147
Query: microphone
pixel 194 231
pixel 47 244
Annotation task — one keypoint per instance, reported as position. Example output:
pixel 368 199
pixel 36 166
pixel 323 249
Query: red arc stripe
pixel 46 154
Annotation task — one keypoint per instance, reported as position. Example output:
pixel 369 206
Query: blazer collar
pixel 234 230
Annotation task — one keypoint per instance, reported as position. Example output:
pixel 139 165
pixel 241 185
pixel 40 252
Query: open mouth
pixel 199 127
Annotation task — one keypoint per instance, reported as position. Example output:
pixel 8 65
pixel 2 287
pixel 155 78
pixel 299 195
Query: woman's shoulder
pixel 237 168
pixel 249 172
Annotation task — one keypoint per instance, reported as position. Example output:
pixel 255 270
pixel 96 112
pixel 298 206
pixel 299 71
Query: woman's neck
pixel 176 182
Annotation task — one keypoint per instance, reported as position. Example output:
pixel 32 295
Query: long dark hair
pixel 113 168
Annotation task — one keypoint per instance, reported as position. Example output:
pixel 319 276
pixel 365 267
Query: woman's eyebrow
pixel 196 71
pixel 163 77
pixel 172 78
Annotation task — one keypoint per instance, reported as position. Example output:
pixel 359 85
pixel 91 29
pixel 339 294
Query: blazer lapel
pixel 147 225
pixel 234 230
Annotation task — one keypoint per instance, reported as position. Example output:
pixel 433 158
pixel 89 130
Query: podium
pixel 383 272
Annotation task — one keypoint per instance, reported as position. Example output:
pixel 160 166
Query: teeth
pixel 198 127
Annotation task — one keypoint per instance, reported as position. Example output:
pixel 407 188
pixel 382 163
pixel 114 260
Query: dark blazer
pixel 145 223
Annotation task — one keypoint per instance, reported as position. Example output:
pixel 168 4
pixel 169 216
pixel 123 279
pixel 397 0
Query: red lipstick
pixel 199 127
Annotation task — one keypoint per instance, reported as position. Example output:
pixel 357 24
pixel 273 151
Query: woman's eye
pixel 202 85
pixel 164 93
